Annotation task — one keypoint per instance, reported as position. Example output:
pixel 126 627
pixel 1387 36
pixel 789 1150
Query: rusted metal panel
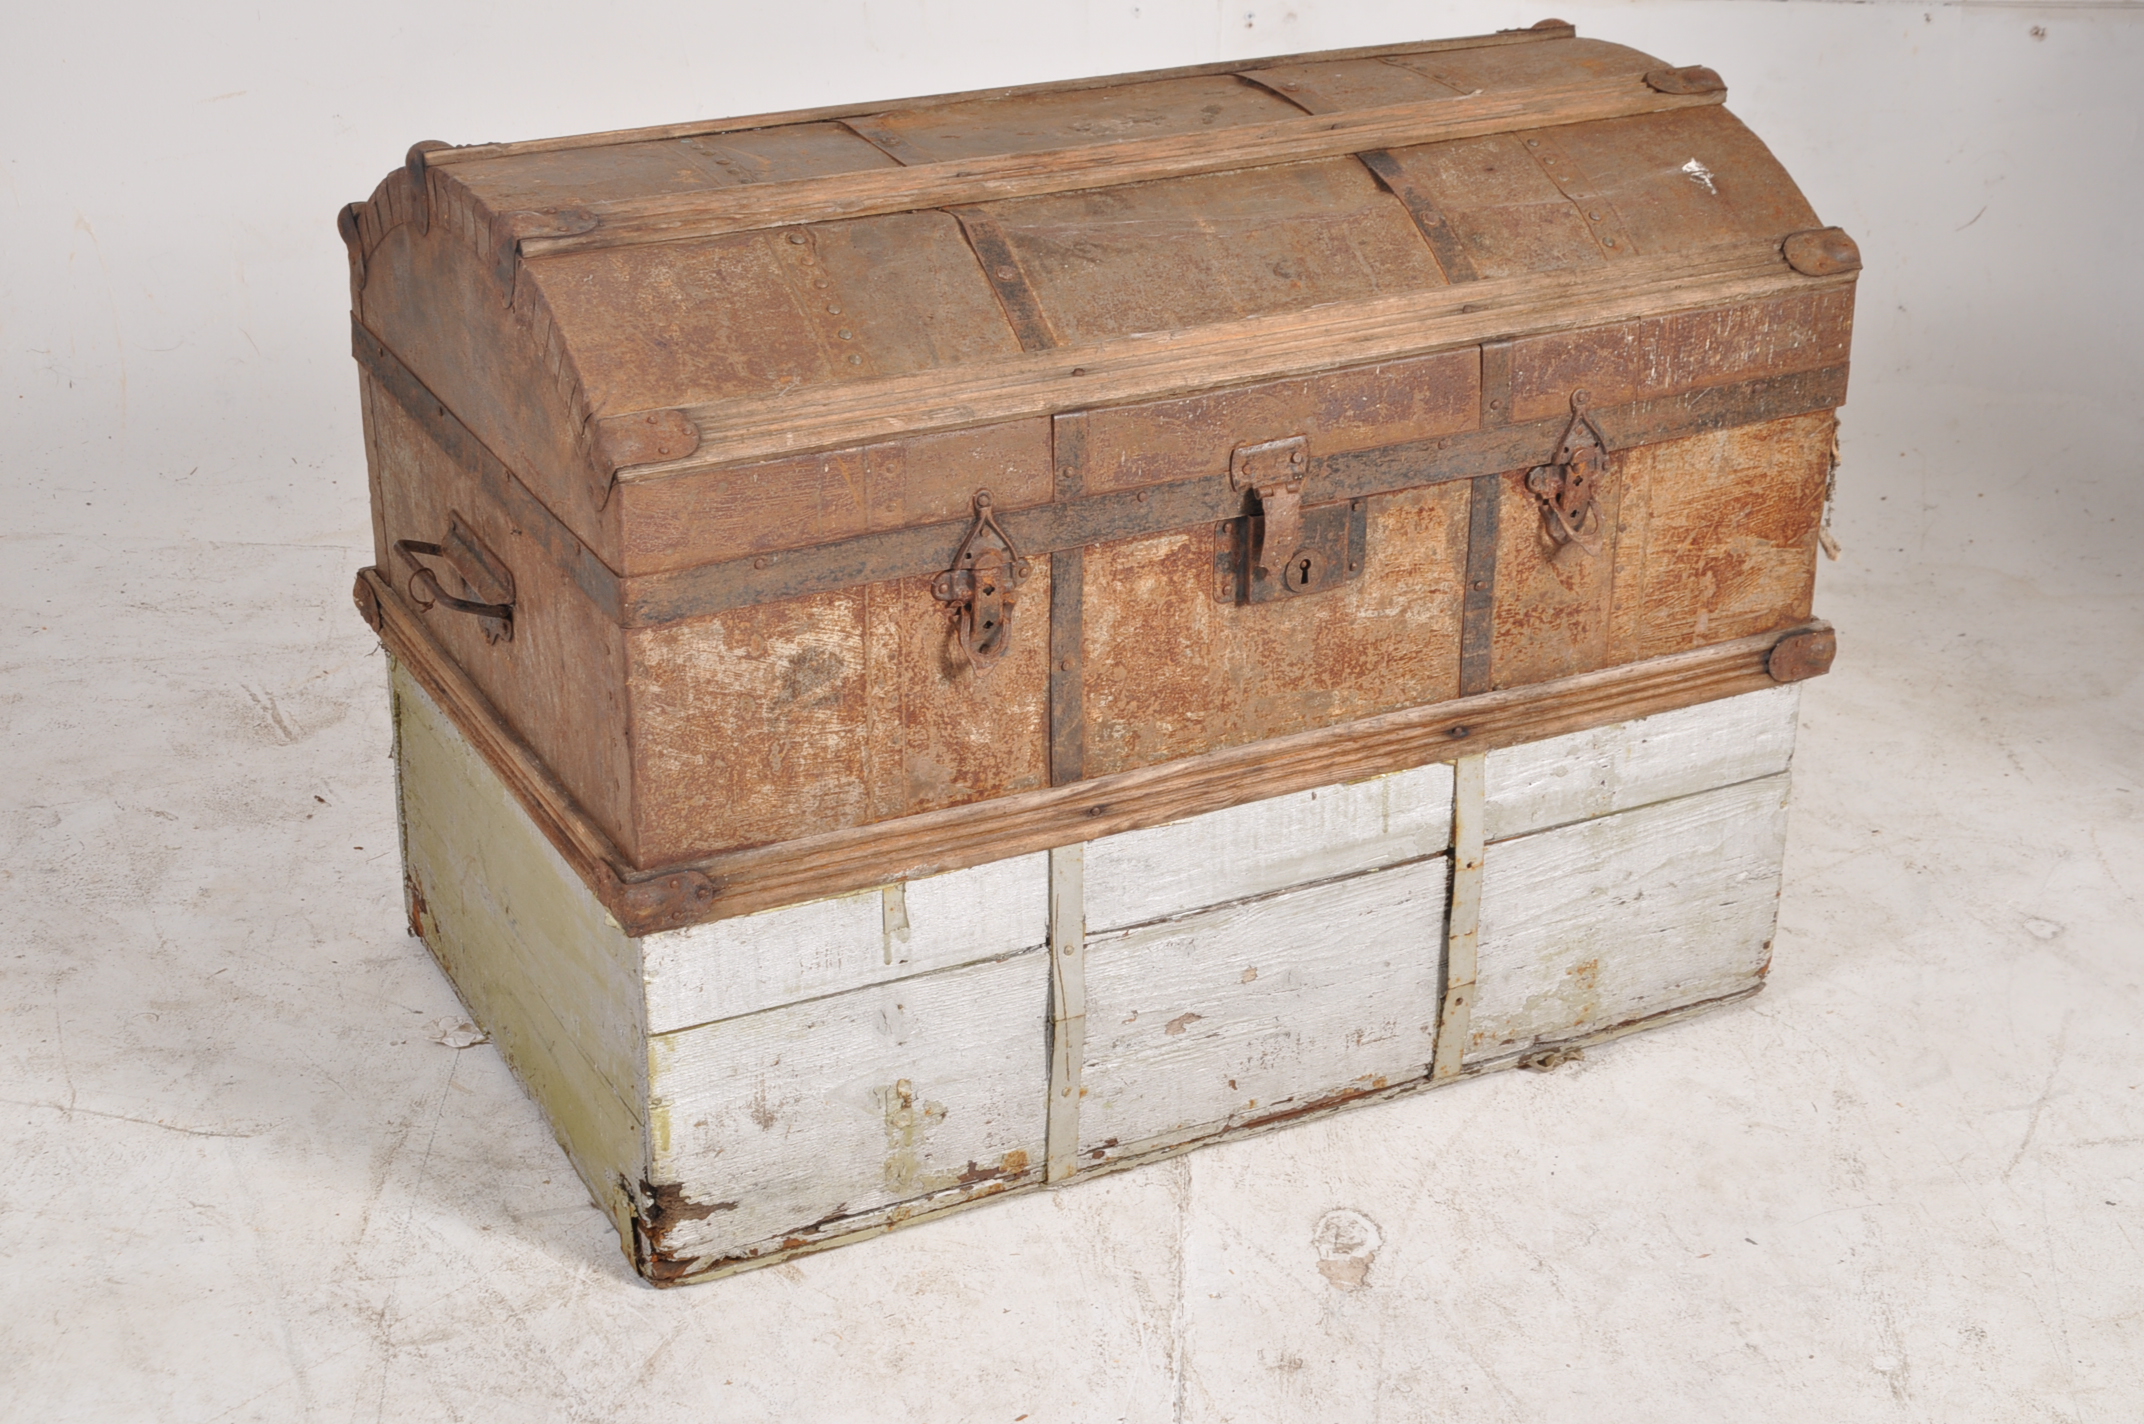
pixel 1068 663
pixel 1729 532
pixel 1214 675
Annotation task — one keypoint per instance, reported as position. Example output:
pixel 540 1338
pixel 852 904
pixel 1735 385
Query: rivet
pixel 1142 496
pixel 1079 370
pixel 847 335
pixel 855 360
pixel 797 238
pixel 1065 666
pixel 760 562
pixel 1496 405
pixel 819 282
pixel 1595 216
pixel 1295 457
pixel 1530 143
pixel 1006 274
pixel 833 308
pixel 1607 242
pixel 1480 584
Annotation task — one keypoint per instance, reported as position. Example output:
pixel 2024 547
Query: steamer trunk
pixel 867 585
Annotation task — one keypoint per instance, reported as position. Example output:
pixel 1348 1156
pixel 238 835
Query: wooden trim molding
pixel 718 212
pixel 478 152
pixel 742 882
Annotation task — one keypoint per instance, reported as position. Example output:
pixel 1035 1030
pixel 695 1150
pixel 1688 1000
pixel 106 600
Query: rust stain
pixel 908 1127
pixel 1181 1022
pixel 417 909
pixel 658 1208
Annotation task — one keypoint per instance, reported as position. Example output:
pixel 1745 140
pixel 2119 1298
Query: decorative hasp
pixel 982 586
pixel 1564 486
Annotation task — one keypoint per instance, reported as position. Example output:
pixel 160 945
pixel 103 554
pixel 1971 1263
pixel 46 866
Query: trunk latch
pixel 1274 472
pixel 1564 487
pixel 982 586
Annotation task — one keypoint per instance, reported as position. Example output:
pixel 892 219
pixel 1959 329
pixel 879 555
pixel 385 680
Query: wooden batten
pixel 718 212
pixel 478 152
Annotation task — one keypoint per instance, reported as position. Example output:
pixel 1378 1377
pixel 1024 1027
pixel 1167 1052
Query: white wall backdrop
pixel 172 293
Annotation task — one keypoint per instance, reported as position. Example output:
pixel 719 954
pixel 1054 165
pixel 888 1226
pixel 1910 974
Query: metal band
pixel 1477 616
pixel 1463 923
pixel 1068 1007
pixel 1015 294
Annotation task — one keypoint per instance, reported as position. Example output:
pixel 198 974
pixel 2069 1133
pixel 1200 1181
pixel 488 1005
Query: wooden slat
pixel 478 152
pixel 713 212
pixel 1162 364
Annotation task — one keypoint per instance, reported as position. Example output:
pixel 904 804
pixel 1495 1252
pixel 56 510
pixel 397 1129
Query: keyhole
pixel 1302 572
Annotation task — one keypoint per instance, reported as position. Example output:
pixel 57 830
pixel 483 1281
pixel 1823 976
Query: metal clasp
pixel 982 586
pixel 1274 470
pixel 1564 487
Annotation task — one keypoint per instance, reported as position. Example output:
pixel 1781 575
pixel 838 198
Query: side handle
pixel 480 570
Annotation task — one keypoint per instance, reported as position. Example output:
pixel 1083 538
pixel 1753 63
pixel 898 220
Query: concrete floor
pixel 244 1182
pixel 240 1180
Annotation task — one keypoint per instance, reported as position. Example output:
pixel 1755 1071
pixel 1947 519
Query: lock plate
pixel 1330 550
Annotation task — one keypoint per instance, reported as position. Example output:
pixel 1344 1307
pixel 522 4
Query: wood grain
pixel 1265 846
pixel 483 152
pixel 1207 1021
pixel 1076 520
pixel 718 211
pixel 1624 765
pixel 705 973
pixel 829 1111
pixel 1623 916
pixel 541 967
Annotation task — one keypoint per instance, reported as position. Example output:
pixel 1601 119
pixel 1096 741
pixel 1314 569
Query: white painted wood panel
pixel 754 962
pixel 1629 764
pixel 531 952
pixel 1261 1007
pixel 1267 845
pixel 1614 919
pixel 841 1106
